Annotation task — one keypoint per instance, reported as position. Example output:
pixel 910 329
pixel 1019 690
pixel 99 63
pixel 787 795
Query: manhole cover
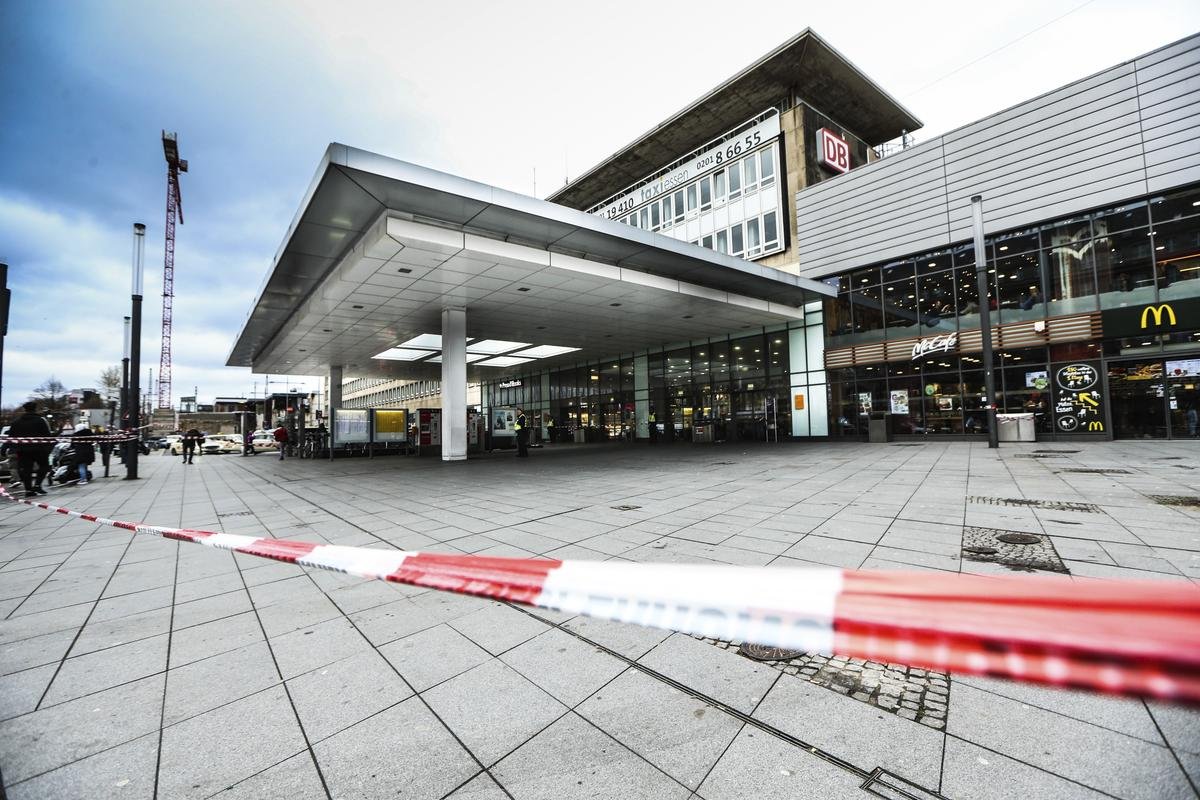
pixel 761 652
pixel 1016 550
pixel 1176 500
pixel 1018 538
pixel 626 508
pixel 1052 505
pixel 1094 471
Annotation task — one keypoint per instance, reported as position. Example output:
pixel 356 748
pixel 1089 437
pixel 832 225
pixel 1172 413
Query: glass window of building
pixel 705 193
pixel 655 217
pixel 707 242
pixel 867 309
pixel 736 241
pixel 735 180
pixel 700 363
pixel 1070 266
pixel 691 200
pixel 770 230
pixel 753 242
pixel 718 363
pixel 1176 205
pixel 679 367
pixel 1121 218
pixel 935 299
pixel 898 270
pixel 766 164
pixel 935 262
pixel 644 219
pixel 1019 280
pixel 1124 270
pixel 838 320
pixel 679 209
pixel 750 172
pixel 722 241
pixel 1177 257
pixel 719 186
pixel 900 308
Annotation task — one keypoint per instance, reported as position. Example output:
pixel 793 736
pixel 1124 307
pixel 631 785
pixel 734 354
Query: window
pixel 691 199
pixel 750 165
pixel 736 238
pixel 719 187
pixel 722 241
pixel 766 162
pixel 1123 268
pixel 735 181
pixel 707 242
pixel 1070 266
pixel 770 233
pixel 644 219
pixel 679 212
pixel 1177 251
pixel 655 219
pixel 705 194
pixel 753 243
pixel 668 211
pixel 1019 280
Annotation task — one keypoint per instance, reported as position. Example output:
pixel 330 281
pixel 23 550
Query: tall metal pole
pixel 5 295
pixel 985 319
pixel 125 391
pixel 135 351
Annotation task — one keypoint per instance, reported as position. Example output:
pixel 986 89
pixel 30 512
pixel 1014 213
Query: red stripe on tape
pixel 278 549
pixel 516 579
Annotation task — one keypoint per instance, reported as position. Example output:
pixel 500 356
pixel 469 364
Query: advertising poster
pixel 1078 398
pixel 351 426
pixel 391 425
pixel 1189 368
pixel 502 421
pixel 1037 379
pixel 899 401
pixel 864 402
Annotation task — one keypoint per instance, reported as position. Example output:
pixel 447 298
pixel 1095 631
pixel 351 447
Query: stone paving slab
pixel 140 667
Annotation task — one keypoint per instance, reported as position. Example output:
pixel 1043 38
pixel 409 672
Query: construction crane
pixel 175 165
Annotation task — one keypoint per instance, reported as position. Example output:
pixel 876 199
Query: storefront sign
pixel 1153 318
pixel 1079 401
pixel 799 402
pixel 513 384
pixel 935 344
pixel 834 151
pixel 899 401
pixel 695 166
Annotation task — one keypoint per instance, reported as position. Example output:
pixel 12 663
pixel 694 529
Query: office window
pixel 679 213
pixel 770 230
pixel 719 187
pixel 735 181
pixel 706 194
pixel 655 219
pixel 668 211
pixel 753 243
pixel 735 237
pixel 644 219
pixel 750 167
pixel 691 199
pixel 707 242
pixel 766 163
pixel 722 241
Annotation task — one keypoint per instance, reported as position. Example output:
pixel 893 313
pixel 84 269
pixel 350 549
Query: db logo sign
pixel 834 150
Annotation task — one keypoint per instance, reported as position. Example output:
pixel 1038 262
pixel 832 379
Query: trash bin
pixel 1015 428
pixel 879 428
pixel 580 435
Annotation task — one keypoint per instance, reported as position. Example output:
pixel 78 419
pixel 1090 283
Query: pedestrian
pixel 32 455
pixel 281 439
pixel 1192 420
pixel 106 449
pixel 191 440
pixel 248 443
pixel 85 451
pixel 522 429
pixel 549 429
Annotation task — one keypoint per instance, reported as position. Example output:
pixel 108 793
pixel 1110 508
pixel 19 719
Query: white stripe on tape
pixel 229 541
pixel 788 607
pixel 355 560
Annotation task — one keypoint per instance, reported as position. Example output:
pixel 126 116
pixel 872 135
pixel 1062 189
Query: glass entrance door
pixel 1138 400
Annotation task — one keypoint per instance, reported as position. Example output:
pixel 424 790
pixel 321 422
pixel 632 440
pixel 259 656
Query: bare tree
pixel 51 395
pixel 110 382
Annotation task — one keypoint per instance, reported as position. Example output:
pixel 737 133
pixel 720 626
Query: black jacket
pixel 85 451
pixel 30 425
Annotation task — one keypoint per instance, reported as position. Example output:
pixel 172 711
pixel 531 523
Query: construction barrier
pixel 1137 638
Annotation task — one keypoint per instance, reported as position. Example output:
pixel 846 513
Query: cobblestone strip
pixel 915 694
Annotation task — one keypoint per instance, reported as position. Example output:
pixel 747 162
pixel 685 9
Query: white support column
pixel 454 384
pixel 335 390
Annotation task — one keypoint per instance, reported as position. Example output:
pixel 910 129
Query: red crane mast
pixel 175 165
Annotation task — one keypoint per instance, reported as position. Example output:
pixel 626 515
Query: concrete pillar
pixel 641 396
pixel 335 390
pixel 454 384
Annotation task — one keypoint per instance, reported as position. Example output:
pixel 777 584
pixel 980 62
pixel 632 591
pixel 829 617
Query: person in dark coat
pixel 191 440
pixel 281 439
pixel 31 456
pixel 85 451
pixel 522 428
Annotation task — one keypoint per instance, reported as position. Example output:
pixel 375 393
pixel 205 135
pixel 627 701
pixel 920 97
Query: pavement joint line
pixel 267 768
pixel 1174 755
pixel 411 688
pixel 1022 762
pixel 162 712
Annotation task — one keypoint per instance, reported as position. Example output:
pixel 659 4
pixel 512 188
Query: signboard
pixel 1037 379
pixel 695 166
pixel 503 420
pixel 833 151
pixel 1078 398
pixel 865 402
pixel 899 401
pixel 391 425
pixel 1153 318
pixel 1189 368
pixel 799 402
pixel 935 344
pixel 513 384
pixel 351 426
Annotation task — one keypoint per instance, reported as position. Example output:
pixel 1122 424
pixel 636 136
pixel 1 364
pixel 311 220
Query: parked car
pixel 263 441
pixel 222 443
pixel 174 444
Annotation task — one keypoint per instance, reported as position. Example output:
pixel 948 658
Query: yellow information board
pixel 391 425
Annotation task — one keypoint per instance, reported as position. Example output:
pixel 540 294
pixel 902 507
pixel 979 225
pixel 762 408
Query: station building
pixel 774 262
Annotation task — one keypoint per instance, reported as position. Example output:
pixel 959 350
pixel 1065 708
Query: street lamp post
pixel 985 320
pixel 125 392
pixel 135 351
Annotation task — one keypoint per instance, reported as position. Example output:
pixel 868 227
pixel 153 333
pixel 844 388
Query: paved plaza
pixel 138 667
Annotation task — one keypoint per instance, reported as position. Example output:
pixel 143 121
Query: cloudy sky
pixel 491 91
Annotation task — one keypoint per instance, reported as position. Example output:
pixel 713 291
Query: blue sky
pixel 489 91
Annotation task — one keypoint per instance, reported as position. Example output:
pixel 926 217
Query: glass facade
pixel 1142 253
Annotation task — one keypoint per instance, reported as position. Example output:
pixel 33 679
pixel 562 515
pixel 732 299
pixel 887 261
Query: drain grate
pixel 237 514
pixel 1016 550
pixel 891 786
pixel 761 652
pixel 1096 471
pixel 1051 505
pixel 1186 501
pixel 625 508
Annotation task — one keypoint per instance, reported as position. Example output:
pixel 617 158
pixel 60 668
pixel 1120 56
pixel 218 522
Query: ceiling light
pixel 545 351
pixel 933 263
pixel 402 354
pixel 1003 248
pixel 504 361
pixel 471 359
pixel 493 347
pixel 428 341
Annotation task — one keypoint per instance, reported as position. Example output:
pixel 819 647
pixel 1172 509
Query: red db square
pixel 834 150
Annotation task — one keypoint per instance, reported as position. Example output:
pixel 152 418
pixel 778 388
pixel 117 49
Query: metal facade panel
pixel 1129 130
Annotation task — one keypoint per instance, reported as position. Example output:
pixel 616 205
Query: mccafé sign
pixel 1152 318
pixel 935 344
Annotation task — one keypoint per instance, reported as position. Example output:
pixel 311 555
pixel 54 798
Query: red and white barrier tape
pixel 124 436
pixel 1123 637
